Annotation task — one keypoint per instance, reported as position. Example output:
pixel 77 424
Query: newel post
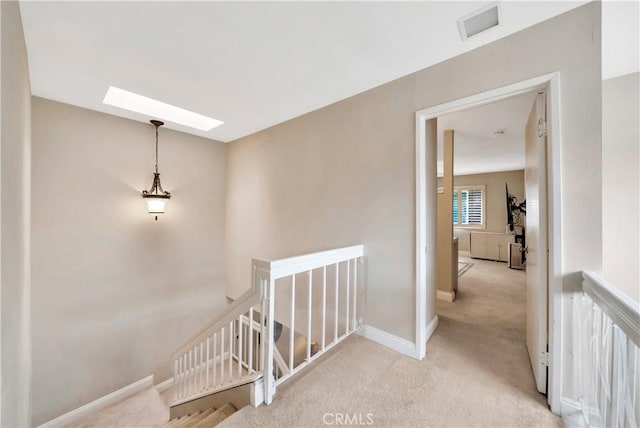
pixel 262 276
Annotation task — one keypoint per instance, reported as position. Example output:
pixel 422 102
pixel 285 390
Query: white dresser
pixel 490 246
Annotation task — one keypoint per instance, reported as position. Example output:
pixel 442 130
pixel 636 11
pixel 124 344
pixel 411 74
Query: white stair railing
pixel 224 353
pixel 239 345
pixel 328 284
pixel 606 354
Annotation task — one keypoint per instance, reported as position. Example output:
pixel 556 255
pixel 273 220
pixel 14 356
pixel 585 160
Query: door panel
pixel 536 238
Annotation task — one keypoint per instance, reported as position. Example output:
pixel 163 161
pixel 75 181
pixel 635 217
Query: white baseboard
pixel 389 340
pixel 569 406
pixel 431 327
pixel 447 296
pixel 257 392
pixel 571 412
pixel 163 386
pixel 82 412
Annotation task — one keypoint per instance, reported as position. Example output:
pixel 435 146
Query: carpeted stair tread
pixel 193 419
pixel 173 423
pixel 216 417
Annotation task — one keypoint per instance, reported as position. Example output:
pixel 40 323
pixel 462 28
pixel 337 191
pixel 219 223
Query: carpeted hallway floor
pixel 476 372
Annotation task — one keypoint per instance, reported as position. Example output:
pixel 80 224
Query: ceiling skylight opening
pixel 158 110
pixel 479 21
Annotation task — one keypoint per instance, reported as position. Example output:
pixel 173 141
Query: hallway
pixel 483 334
pixel 476 372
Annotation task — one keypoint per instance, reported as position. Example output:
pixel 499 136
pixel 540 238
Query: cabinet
pixel 490 246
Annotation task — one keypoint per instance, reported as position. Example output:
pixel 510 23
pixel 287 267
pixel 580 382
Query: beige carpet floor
pixel 476 372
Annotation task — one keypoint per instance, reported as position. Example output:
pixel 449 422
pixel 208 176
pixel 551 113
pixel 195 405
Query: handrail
pixel 239 306
pixel 292 265
pixel 623 311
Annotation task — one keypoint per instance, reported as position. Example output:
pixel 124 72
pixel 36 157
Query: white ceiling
pixel 476 150
pixel 250 64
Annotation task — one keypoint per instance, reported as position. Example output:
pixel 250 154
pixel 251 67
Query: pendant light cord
pixel 156 149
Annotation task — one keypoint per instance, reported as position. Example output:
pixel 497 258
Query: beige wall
pixel 345 174
pixel 495 210
pixel 621 183
pixel 15 172
pixel 115 292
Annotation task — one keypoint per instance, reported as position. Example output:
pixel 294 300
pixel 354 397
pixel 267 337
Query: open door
pixel 535 181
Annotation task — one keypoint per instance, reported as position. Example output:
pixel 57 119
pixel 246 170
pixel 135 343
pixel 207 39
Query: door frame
pixel 425 256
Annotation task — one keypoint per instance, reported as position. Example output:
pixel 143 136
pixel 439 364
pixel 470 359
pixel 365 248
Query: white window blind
pixel 468 206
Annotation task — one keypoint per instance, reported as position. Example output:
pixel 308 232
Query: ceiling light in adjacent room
pixel 149 107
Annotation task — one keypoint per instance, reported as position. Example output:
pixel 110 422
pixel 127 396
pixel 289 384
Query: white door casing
pixel 535 179
pixel 425 218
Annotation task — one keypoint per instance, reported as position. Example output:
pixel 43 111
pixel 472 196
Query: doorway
pixel 426 191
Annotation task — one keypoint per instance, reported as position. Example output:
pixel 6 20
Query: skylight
pixel 158 110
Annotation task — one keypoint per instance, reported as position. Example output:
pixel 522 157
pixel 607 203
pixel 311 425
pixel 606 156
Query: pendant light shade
pixel 156 197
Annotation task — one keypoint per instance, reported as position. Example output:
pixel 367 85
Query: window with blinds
pixel 468 206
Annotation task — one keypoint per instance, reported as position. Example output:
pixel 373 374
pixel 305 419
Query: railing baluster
pixel 196 376
pixel 178 381
pixel 268 341
pixel 263 326
pixel 222 356
pixel 185 374
pixel 240 345
pixel 231 338
pixel 633 364
pixel 335 327
pixel 250 357
pixel 309 304
pixel 206 367
pixel 355 294
pixel 175 376
pixel 324 305
pixel 191 372
pixel 616 384
pixel 293 320
pixel 347 319
pixel 213 362
pixel 201 375
pixel 177 388
pixel 195 369
pixel 187 371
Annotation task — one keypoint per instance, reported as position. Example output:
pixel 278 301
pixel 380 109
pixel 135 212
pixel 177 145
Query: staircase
pixel 203 419
pixel 297 310
pixel 150 408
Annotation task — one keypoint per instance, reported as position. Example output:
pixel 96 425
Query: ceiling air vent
pixel 479 21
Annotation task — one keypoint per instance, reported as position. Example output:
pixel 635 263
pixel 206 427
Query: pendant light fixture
pixel 156 197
